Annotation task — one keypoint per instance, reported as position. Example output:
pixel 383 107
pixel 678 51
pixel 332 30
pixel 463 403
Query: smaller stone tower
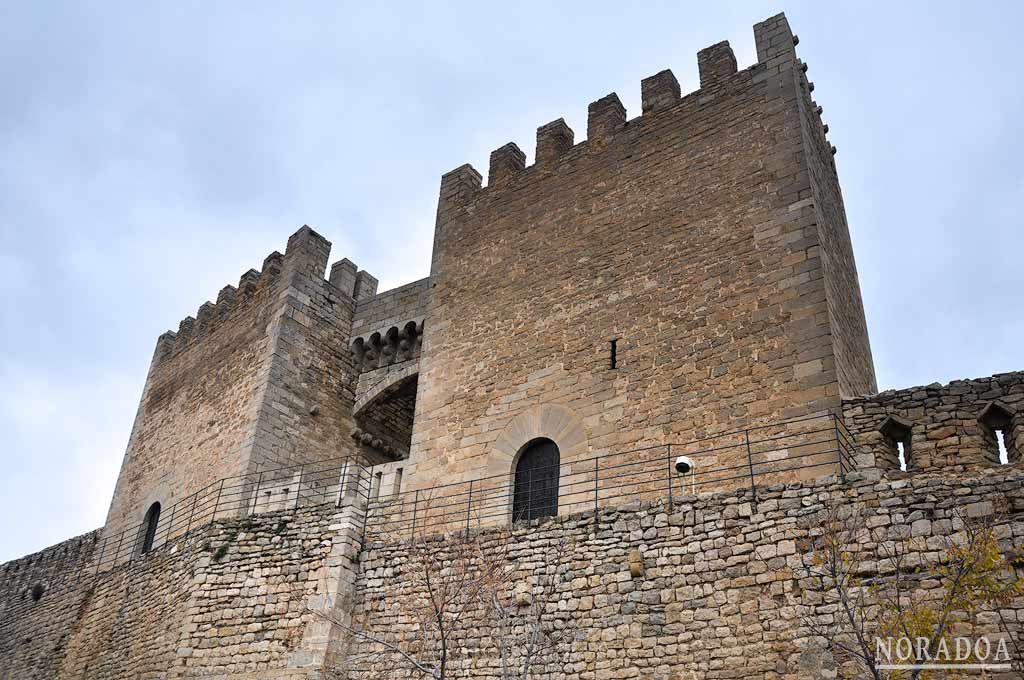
pixel 260 380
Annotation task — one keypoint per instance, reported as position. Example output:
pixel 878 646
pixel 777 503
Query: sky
pixel 152 152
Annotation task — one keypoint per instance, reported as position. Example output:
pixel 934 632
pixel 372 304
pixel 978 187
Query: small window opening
pixel 897 432
pixel 997 419
pixel 613 353
pixel 37 592
pixel 150 524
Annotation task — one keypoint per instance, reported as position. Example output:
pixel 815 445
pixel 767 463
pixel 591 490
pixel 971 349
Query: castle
pixel 680 286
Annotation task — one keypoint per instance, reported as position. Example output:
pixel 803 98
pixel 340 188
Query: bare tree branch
pixel 973 574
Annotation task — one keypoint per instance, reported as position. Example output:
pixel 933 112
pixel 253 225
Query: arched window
pixel 149 526
pixel 536 481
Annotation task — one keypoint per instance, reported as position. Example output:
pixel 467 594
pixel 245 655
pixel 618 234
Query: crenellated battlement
pixel 607 117
pixel 954 426
pixel 306 254
pixel 229 300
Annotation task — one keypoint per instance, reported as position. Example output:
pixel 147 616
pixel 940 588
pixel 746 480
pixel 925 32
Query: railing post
pixel 192 512
pixel 415 506
pixel 170 523
pixel 366 512
pixel 670 503
pixel 256 494
pixel 529 496
pixel 103 549
pixel 343 483
pixel 469 506
pixel 216 503
pixel 117 553
pixel 750 467
pixel 298 487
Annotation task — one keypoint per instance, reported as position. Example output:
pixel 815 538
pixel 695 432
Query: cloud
pixel 154 152
pixel 63 445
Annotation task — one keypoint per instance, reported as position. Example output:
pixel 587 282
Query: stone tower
pixel 258 381
pixel 703 244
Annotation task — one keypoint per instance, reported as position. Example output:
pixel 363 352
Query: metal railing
pixel 740 460
pixel 743 459
pixel 333 481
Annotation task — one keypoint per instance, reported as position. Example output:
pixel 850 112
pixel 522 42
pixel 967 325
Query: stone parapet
pixel 954 426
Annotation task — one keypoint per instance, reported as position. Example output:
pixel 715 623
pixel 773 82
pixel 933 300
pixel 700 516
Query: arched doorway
pixel 149 526
pixel 536 481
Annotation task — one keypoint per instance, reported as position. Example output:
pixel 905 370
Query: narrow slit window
pixel 997 420
pixel 613 353
pixel 1004 455
pixel 898 434
pixel 397 487
pixel 150 524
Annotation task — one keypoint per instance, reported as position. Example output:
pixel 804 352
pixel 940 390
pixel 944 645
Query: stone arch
pixel 536 473
pixel 387 382
pixel 384 414
pixel 545 421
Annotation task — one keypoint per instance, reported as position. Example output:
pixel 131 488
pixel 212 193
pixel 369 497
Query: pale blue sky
pixel 151 154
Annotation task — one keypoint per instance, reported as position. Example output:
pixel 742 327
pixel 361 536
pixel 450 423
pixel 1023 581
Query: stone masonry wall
pixel 309 388
pixel 712 588
pixel 850 346
pixel 232 600
pixel 41 596
pixel 387 337
pixel 949 426
pixel 392 307
pixel 687 234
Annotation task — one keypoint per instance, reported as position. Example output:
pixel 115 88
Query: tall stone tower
pixel 681 273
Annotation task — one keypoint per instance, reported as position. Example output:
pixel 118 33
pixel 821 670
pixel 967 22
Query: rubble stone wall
pixel 714 587
pixel 234 600
pixel 41 598
pixel 952 426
